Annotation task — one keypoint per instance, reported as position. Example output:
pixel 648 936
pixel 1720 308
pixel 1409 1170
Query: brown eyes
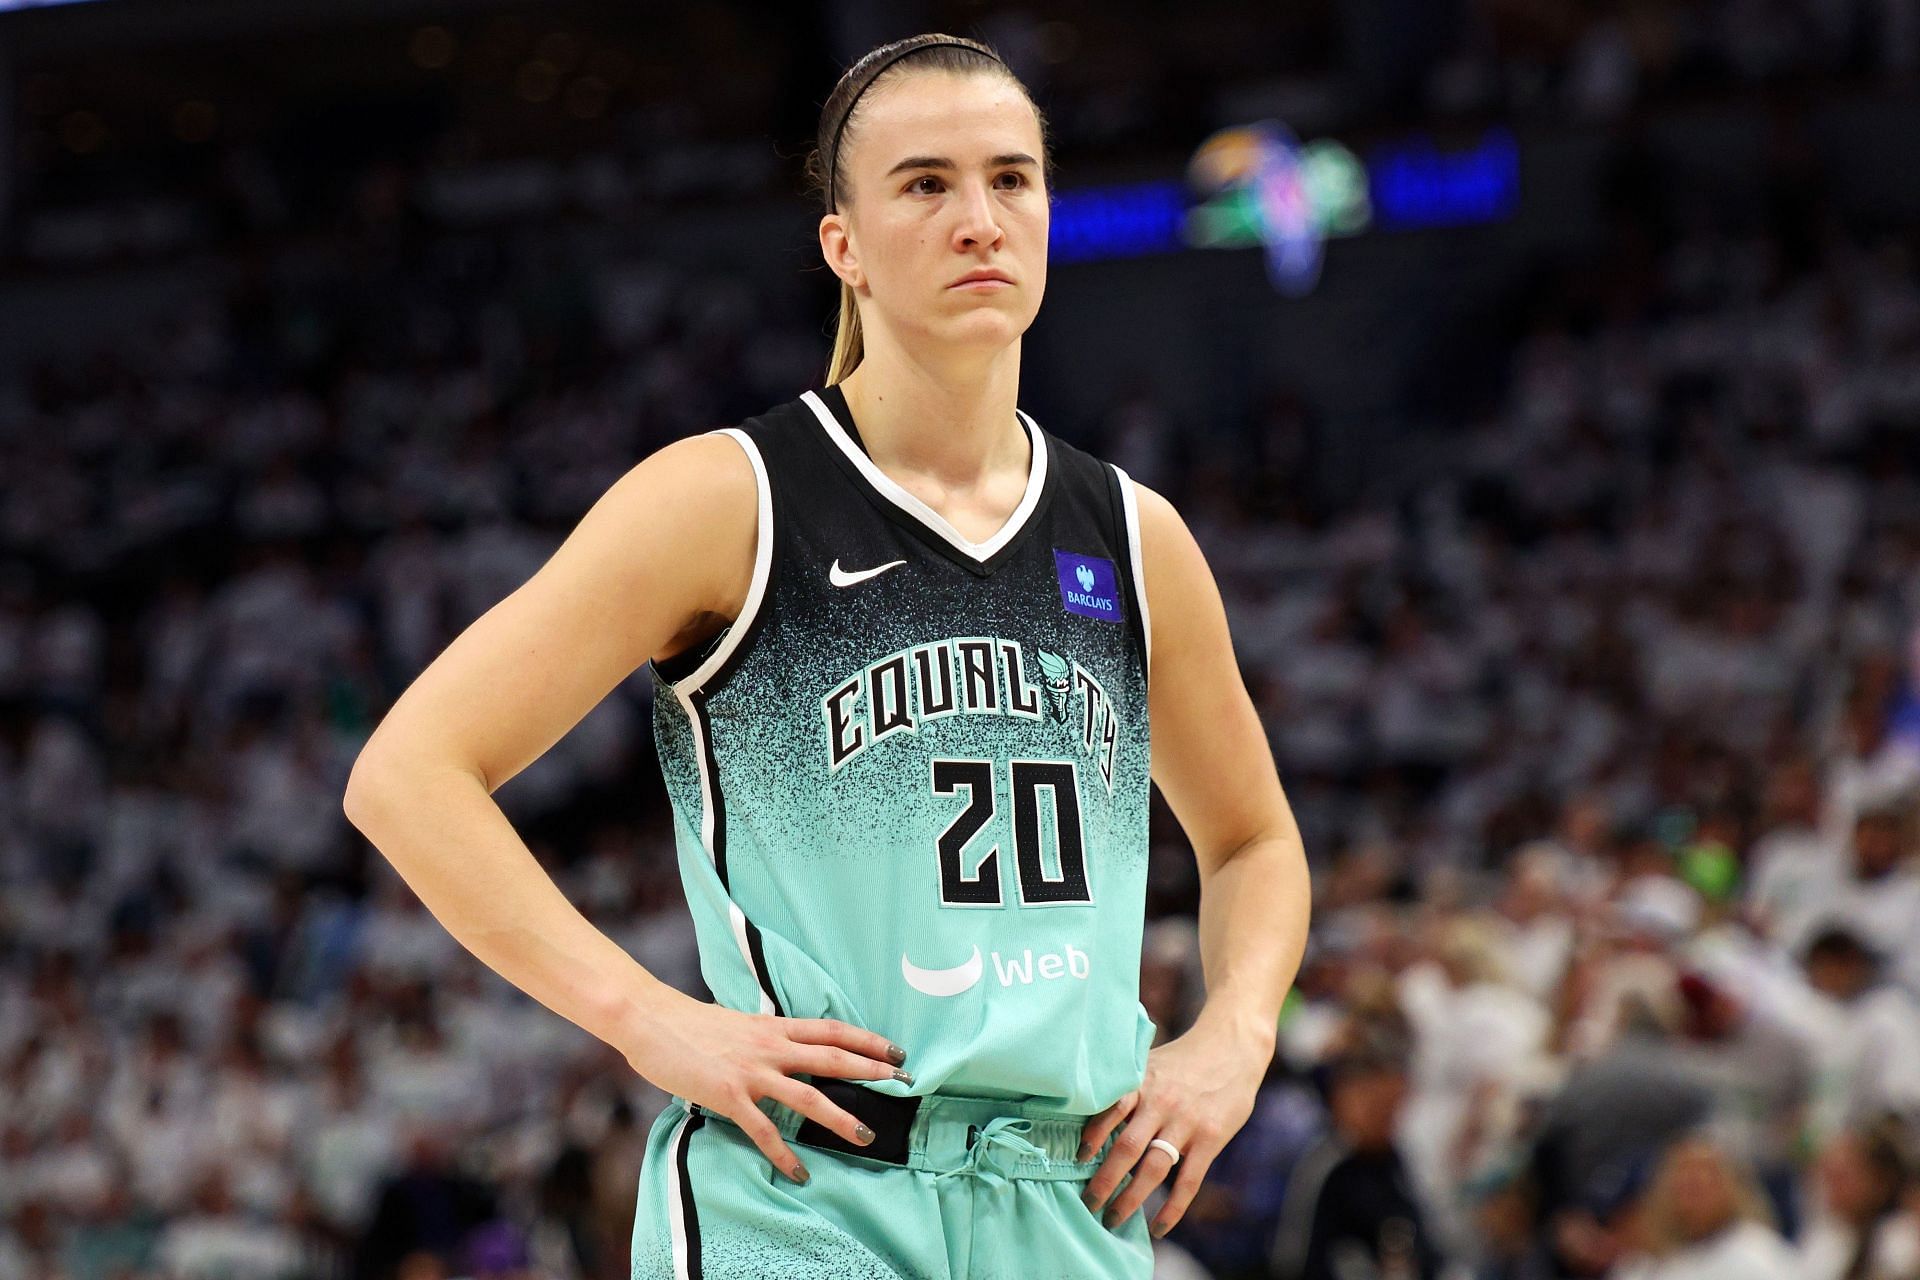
pixel 1019 180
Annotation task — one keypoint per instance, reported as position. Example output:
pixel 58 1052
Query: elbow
pixel 372 775
pixel 378 774
pixel 357 802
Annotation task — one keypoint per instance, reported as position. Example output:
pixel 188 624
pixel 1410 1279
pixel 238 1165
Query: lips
pixel 979 278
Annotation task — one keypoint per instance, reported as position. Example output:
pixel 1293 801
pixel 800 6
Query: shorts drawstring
pixel 1000 1132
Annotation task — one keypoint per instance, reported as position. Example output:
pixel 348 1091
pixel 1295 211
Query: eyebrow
pixel 941 162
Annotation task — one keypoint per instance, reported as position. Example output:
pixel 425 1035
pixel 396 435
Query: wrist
pixel 634 1010
pixel 1243 1028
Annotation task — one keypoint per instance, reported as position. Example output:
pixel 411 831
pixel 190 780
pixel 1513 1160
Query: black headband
pixel 833 157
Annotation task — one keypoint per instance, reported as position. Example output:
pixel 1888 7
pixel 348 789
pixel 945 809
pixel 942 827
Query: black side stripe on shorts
pixel 689 1214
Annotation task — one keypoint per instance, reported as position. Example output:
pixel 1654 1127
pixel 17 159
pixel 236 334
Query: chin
pixel 985 331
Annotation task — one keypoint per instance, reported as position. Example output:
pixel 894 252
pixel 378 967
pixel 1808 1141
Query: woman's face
pixel 942 174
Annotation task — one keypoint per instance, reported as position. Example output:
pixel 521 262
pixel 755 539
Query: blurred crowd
pixel 1608 732
pixel 1599 716
pixel 1582 60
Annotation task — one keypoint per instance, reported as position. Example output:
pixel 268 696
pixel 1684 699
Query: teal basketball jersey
pixel 909 782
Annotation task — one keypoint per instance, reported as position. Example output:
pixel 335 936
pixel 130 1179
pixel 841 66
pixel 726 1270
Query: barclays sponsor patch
pixel 1089 586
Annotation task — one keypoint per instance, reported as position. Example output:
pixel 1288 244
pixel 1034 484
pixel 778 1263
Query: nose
pixel 977 222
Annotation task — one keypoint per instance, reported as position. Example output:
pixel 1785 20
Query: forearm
pixel 448 839
pixel 1253 931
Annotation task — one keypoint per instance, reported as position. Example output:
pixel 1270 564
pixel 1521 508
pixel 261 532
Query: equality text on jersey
pixel 969 675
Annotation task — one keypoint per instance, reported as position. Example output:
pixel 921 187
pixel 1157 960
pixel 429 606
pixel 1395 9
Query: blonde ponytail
pixel 847 344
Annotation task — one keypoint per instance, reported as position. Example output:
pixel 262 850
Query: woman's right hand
pixel 725 1060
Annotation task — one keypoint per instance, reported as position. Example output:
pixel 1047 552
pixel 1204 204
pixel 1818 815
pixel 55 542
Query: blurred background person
pixel 1706 1220
pixel 1350 1208
pixel 1863 1226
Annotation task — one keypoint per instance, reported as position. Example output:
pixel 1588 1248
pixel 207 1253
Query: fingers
pixel 832 1031
pixel 1150 1165
pixel 1187 1177
pixel 820 1046
pixel 823 1060
pixel 815 1105
pixel 1133 1153
pixel 1101 1123
pixel 766 1136
pixel 1124 1155
pixel 1149 1171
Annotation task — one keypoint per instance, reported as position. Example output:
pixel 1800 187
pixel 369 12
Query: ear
pixel 836 247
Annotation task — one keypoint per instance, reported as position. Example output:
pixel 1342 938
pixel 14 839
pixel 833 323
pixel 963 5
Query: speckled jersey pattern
pixel 910 792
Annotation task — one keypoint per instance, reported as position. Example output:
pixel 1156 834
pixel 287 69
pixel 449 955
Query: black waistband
pixel 890 1118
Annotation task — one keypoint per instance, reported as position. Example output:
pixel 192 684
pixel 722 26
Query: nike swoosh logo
pixel 941 982
pixel 845 578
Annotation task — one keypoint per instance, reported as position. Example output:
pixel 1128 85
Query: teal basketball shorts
pixel 952 1188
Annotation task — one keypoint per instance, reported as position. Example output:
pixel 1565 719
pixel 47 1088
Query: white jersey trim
pixel 762 567
pixel 689 687
pixel 1131 506
pixel 913 506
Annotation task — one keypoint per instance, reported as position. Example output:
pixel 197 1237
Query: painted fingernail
pixel 863 1133
pixel 896 1055
pixel 1160 1229
pixel 799 1173
pixel 903 1077
pixel 1081 1154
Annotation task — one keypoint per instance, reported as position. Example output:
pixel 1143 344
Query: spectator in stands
pixel 1760 1075
pixel 1878 895
pixel 429 1211
pixel 1864 1227
pixel 1794 862
pixel 1707 1221
pixel 1350 1206
pixel 1635 1097
pixel 1865 1033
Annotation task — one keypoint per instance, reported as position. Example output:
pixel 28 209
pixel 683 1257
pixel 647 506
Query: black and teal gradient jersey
pixel 910 781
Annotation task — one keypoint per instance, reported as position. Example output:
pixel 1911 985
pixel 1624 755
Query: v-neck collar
pixel 829 405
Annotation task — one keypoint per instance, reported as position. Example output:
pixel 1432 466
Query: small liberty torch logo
pixel 1058 677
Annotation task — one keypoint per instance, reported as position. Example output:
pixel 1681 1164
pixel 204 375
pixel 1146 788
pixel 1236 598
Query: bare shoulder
pixel 1189 623
pixel 1154 507
pixel 689 514
pixel 665 553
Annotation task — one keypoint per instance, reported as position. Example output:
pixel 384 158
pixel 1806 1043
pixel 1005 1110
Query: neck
pixel 954 423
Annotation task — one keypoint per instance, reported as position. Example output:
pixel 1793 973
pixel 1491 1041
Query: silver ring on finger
pixel 1165 1146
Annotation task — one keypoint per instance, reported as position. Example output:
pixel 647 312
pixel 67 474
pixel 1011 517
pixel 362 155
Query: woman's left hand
pixel 1198 1090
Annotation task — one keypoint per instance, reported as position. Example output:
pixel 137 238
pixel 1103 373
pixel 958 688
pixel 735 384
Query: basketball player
pixel 901 637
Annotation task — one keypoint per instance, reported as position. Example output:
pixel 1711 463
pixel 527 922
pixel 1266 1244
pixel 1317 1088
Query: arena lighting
pixel 1257 186
pixel 1417 185
pixel 1264 188
pixel 1093 223
pixel 6 5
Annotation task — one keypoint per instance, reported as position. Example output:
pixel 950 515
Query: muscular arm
pixel 666 551
pixel 1213 765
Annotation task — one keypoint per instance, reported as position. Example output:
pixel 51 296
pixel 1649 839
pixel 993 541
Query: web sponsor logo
pixel 1023 970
